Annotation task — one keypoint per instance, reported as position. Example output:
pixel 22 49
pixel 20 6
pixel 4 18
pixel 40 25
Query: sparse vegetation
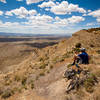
pixel 37 77
pixel 8 82
pixel 78 45
pixel 45 61
pixel 91 45
pixel 17 78
pixel 32 85
pixel 69 65
pixel 51 66
pixel 42 73
pixel 98 51
pixel 66 55
pixel 43 66
pixel 41 59
pixel 90 82
pixel 48 71
pixel 24 79
pixel 7 93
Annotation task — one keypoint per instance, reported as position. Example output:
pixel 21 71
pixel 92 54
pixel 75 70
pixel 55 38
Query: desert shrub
pixel 19 90
pixel 8 82
pixel 46 58
pixel 1 91
pixel 17 78
pixel 48 71
pixel 69 65
pixel 91 60
pixel 51 66
pixel 91 45
pixel 37 77
pixel 78 45
pixel 55 60
pixel 61 59
pixel 7 94
pixel 90 82
pixel 98 73
pixel 24 87
pixel 24 79
pixel 41 59
pixel 42 73
pixel 32 85
pixel 66 55
pixel 76 49
pixel 43 66
pixel 98 51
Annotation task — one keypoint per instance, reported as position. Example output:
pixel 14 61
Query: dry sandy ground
pixel 15 50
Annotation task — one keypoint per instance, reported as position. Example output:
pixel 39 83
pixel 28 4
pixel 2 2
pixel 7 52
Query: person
pixel 83 57
pixel 76 58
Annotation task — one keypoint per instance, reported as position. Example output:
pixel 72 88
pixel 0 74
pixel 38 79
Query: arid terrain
pixel 13 50
pixel 33 69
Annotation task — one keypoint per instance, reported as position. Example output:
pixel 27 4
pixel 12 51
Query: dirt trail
pixel 53 85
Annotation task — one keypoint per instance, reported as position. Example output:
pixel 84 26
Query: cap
pixel 82 49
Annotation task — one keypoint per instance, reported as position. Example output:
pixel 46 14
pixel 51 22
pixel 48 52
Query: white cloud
pixel 47 9
pixel 75 8
pixel 62 8
pixel 69 21
pixel 47 4
pixel 32 12
pixel 41 24
pixel 8 13
pixel 84 15
pixel 96 14
pixel 40 19
pixel 19 0
pixel 89 11
pixel 9 24
pixel 4 1
pixel 1 12
pixel 32 1
pixel 75 19
pixel 90 24
pixel 98 20
pixel 21 12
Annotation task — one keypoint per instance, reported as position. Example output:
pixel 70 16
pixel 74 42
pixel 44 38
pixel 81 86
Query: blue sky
pixel 48 16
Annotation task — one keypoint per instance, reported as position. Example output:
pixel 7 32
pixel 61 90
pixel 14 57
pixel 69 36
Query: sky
pixel 48 16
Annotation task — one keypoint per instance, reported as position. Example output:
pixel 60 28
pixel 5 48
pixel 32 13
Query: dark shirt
pixel 84 57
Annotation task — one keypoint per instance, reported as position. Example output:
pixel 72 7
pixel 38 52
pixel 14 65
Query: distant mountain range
pixel 29 35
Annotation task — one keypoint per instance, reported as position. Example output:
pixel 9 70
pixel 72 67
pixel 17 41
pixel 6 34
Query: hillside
pixel 40 76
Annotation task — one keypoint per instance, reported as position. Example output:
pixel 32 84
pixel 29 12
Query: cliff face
pixel 40 76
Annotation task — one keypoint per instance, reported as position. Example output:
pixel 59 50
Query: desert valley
pixel 32 68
